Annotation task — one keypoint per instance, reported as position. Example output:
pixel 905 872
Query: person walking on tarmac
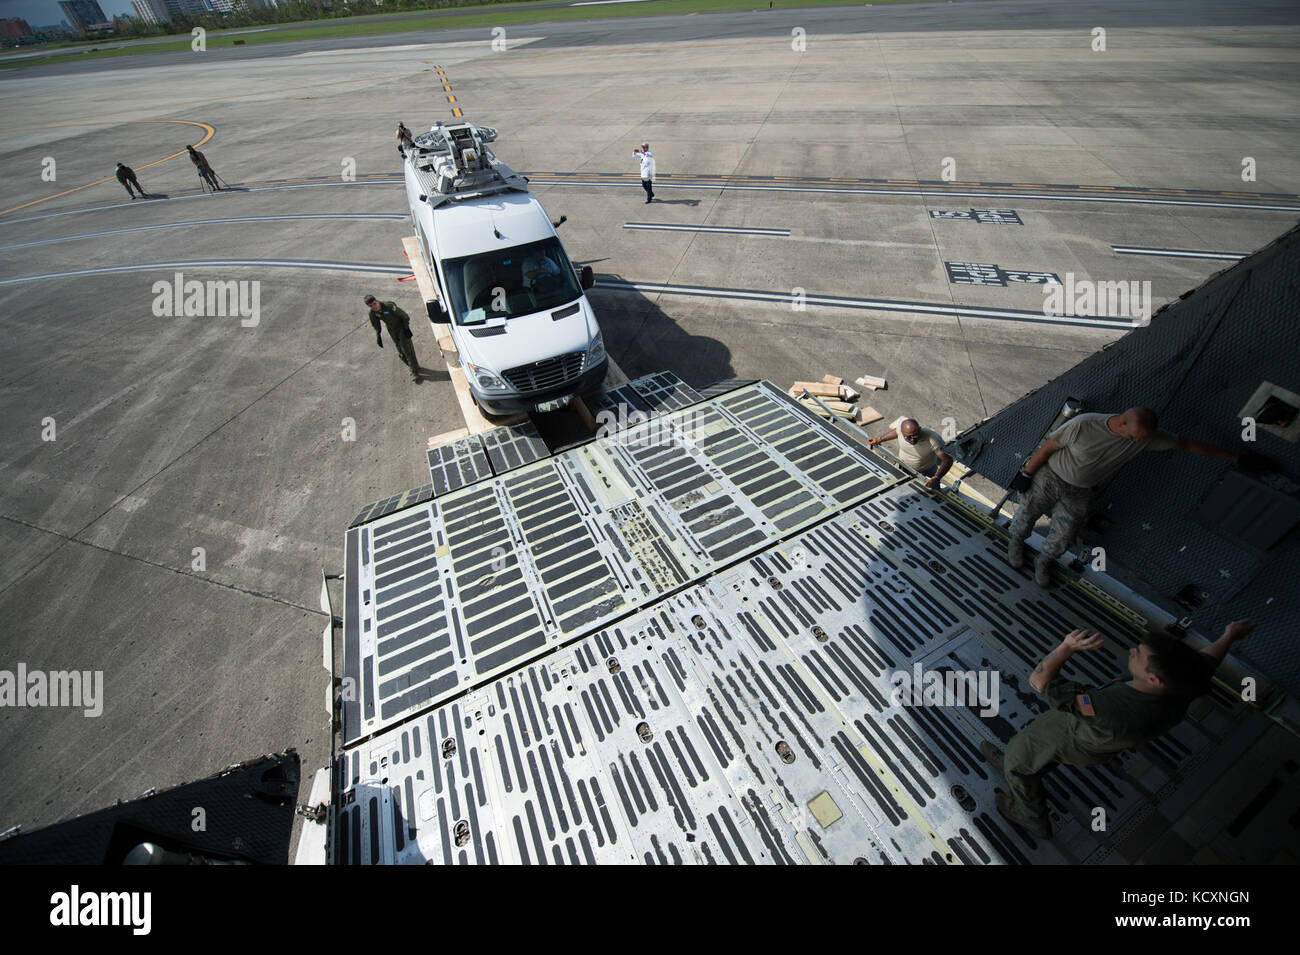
pixel 404 139
pixel 647 160
pixel 205 171
pixel 399 330
pixel 126 176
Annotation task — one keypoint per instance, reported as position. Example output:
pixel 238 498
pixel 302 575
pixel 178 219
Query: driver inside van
pixel 538 268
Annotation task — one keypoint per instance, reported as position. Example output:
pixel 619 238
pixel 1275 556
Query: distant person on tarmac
pixel 404 139
pixel 126 176
pixel 399 330
pixel 647 160
pixel 205 171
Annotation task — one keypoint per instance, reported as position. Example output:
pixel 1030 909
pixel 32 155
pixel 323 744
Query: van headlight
pixel 486 380
pixel 596 351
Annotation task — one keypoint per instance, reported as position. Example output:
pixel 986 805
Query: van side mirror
pixel 437 314
pixel 587 276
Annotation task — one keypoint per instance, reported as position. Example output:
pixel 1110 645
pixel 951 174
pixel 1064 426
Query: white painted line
pixel 882 305
pixel 235 191
pixel 216 264
pixel 921 193
pixel 450 47
pixel 734 230
pixel 1178 253
pixel 192 222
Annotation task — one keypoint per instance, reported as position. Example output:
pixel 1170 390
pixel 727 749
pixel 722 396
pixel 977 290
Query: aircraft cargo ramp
pixel 680 641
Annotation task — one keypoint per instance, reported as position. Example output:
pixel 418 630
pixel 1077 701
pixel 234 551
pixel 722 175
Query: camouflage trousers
pixel 406 352
pixel 1030 755
pixel 1067 504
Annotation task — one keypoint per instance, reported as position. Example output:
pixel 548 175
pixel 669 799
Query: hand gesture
pixel 1078 640
pixel 1239 629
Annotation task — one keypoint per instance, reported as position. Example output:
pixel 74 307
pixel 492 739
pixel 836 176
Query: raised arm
pixel 1237 630
pixel 1192 446
pixel 1074 642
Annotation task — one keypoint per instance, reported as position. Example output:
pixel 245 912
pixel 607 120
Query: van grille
pixel 550 373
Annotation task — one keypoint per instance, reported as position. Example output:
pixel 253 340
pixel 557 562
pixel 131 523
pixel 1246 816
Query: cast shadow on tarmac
pixel 644 339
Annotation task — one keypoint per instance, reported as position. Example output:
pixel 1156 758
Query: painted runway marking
pixel 237 190
pixel 866 304
pixel 219 264
pixel 922 193
pixel 984 216
pixel 192 222
pixel 983 273
pixel 749 295
pixel 1178 253
pixel 734 230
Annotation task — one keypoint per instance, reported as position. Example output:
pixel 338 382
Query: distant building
pixel 190 9
pixel 83 14
pixel 153 12
pixel 12 28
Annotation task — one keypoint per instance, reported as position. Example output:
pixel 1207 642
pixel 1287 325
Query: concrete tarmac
pixel 202 469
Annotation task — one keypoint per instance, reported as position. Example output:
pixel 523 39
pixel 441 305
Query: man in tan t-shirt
pixel 919 448
pixel 1063 476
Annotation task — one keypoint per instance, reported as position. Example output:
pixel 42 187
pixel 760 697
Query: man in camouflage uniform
pixel 399 330
pixel 1086 726
pixel 1063 476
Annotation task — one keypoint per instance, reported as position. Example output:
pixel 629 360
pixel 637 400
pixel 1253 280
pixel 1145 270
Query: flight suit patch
pixel 1084 702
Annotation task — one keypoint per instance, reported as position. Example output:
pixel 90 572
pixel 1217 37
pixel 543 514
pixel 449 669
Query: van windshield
pixel 509 283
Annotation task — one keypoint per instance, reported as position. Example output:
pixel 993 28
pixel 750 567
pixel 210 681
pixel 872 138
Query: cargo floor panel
pixel 774 710
pixel 489 570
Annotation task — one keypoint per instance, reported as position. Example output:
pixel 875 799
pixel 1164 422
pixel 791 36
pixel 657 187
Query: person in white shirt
pixel 919 448
pixel 647 160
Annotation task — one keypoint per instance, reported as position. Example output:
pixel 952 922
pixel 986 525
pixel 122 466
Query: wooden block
pixel 818 388
pixel 871 381
pixel 428 291
pixel 848 394
pixel 832 380
pixel 868 415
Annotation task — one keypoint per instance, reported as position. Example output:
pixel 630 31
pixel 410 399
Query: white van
pixel 527 337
